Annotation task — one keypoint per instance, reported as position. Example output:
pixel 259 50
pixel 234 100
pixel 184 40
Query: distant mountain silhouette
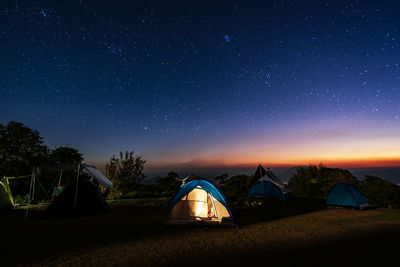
pixel 284 173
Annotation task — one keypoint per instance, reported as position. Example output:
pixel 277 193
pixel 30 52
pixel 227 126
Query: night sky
pixel 201 83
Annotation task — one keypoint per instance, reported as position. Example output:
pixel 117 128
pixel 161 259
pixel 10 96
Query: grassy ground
pixel 132 233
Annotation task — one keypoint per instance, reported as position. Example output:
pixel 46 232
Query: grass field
pixel 132 233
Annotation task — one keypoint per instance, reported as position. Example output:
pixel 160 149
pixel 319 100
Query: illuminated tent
pixel 266 189
pixel 346 195
pixel 199 202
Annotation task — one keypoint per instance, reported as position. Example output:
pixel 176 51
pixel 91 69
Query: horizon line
pixel 388 163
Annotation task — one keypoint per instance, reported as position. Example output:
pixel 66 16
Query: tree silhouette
pixel 65 154
pixel 21 149
pixel 125 172
pixel 380 192
pixel 316 181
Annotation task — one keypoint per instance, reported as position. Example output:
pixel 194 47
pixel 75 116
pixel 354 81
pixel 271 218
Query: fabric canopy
pixel 212 190
pixel 97 175
pixel 199 203
pixel 346 195
pixel 266 189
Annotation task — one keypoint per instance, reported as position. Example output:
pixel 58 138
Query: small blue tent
pixel 266 189
pixel 346 195
pixel 199 202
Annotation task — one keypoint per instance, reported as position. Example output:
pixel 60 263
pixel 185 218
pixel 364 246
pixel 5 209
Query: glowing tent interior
pixel 199 202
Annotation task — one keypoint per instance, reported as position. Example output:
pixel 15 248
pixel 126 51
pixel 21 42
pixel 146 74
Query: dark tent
pixel 260 172
pixel 346 195
pixel 265 189
pixel 89 201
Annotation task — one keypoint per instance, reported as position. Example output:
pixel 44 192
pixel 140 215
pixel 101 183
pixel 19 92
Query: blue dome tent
pixel 346 195
pixel 199 202
pixel 266 189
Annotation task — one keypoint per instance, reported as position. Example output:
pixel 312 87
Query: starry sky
pixel 207 83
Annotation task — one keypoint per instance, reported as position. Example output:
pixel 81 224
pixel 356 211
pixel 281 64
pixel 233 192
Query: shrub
pixel 315 182
pixel 125 173
pixel 238 185
pixel 380 192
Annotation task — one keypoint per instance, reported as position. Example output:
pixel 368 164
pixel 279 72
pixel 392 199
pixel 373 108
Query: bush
pixel 21 199
pixel 125 173
pixel 315 182
pixel 168 186
pixel 238 185
pixel 380 192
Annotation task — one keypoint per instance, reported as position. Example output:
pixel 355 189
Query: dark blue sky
pixel 188 83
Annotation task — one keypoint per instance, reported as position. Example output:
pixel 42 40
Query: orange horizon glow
pixel 335 163
pixel 364 147
pixel 344 150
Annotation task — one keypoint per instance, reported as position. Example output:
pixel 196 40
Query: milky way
pixel 198 82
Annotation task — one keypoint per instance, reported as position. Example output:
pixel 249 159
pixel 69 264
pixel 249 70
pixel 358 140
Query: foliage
pixel 21 199
pixel 237 185
pixel 21 149
pixel 125 172
pixel 316 182
pixel 65 154
pixel 380 192
pixel 168 185
pixel 221 179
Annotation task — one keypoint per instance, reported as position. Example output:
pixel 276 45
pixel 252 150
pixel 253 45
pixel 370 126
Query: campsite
pixel 199 133
pixel 70 213
pixel 199 225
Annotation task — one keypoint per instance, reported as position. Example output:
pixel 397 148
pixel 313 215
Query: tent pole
pixel 9 191
pixel 76 187
pixel 29 195
pixel 59 180
pixel 215 210
pixel 33 186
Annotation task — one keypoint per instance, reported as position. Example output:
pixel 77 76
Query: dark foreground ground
pixel 131 233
